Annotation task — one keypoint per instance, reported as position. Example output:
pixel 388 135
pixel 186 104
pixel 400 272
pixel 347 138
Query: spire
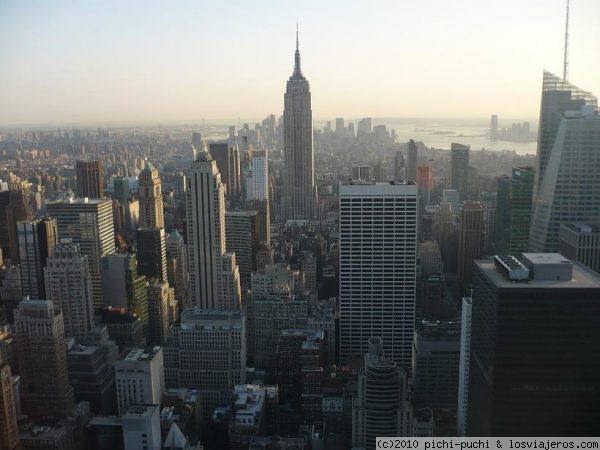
pixel 566 59
pixel 297 70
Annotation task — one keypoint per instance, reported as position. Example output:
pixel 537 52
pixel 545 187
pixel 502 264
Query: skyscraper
pixel 177 265
pixel 426 183
pixel 214 275
pixel 568 188
pixel 513 211
pixel 581 242
pixel 241 230
pixel 299 189
pixel 150 198
pixel 494 127
pixel 9 430
pixel 37 239
pixel 90 179
pixel 39 333
pixel 152 253
pixel 470 239
pixel 378 253
pixel 228 163
pixel 459 168
pixel 399 172
pixel 523 317
pixel 69 287
pixel 14 207
pixel 411 171
pixel 258 183
pixel 89 222
pixel 158 313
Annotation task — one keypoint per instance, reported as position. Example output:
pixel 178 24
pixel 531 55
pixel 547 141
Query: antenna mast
pixel 566 60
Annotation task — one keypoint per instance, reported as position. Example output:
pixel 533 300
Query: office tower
pixel 140 378
pixel 436 364
pixel 263 219
pixel 158 312
pixel 265 254
pixel 364 127
pixel 123 286
pixel 569 189
pixel 430 258
pixel 470 239
pixel 37 239
pixel 459 168
pixel 340 129
pixel 513 211
pixel 361 173
pixel 207 351
pixel 425 182
pixel 494 127
pixel 399 166
pixel 380 407
pixel 90 179
pixel 463 370
pixel 299 190
pixel 9 430
pixel 45 392
pixel 89 222
pixel 152 253
pixel 558 97
pixel 489 240
pixel 411 170
pixel 228 164
pixel 277 279
pixel 213 272
pixel 14 208
pixel 453 197
pixel 308 263
pixel 122 193
pixel 124 327
pixel 378 259
pixel 197 140
pixel 267 317
pixel 258 183
pixel 90 365
pixel 141 427
pixel 150 198
pixel 241 231
pixel 10 291
pixel 380 171
pixel 69 287
pixel 581 242
pixel 524 316
pixel 179 277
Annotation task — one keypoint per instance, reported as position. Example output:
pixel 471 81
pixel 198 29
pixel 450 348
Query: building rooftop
pixel 141 354
pixel 580 227
pixel 140 411
pixel 378 183
pixel 79 201
pixel 195 318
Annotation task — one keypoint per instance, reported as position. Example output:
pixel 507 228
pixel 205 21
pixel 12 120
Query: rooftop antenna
pixel 566 60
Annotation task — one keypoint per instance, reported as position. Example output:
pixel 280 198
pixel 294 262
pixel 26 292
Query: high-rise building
pixel 122 192
pixel 14 207
pixel 214 275
pixel 9 430
pixel 258 183
pixel 124 327
pixel 361 173
pixel 158 313
pixel 364 127
pixel 425 182
pixel 378 263
pixel 10 291
pixel 207 351
pixel 177 267
pixel 228 163
pixel 470 239
pixel 150 198
pixel 90 179
pixel 69 287
pixel 524 314
pixel 581 242
pixel 89 222
pixel 141 427
pixel 299 189
pixel 399 172
pixel 39 333
pixel 411 171
pixel 494 127
pixel 36 238
pixel 241 231
pixel 340 129
pixel 513 211
pixel 263 218
pixel 569 187
pixel 459 168
pixel 380 407
pixel 430 258
pixel 152 253
pixel 123 286
pixel 463 368
pixel 140 378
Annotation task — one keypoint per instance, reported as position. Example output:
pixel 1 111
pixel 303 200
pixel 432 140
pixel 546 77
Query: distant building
pixel 494 127
pixel 90 179
pixel 430 258
pixel 228 163
pixel 152 253
pixel 581 242
pixel 459 168
pixel 258 183
pixel 242 237
pixel 470 239
pixel 150 198
pixel 158 312
pixel 123 326
pixel 361 173
pixel 411 172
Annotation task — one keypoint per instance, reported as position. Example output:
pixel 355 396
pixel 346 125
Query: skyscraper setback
pixel 299 189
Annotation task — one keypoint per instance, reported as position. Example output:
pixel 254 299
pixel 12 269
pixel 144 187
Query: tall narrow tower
pixel 300 193
pixel 150 197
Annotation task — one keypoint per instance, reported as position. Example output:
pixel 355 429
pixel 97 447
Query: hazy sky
pixel 88 60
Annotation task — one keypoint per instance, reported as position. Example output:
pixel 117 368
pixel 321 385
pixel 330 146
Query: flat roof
pixel 546 258
pixel 583 278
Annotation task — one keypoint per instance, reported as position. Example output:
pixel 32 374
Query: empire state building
pixel 299 189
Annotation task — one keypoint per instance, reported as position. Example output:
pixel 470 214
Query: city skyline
pixel 169 73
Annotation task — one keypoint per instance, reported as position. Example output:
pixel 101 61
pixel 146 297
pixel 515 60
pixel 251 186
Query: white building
pixel 463 370
pixel 378 261
pixel 141 427
pixel 140 378
pixel 258 183
pixel 69 286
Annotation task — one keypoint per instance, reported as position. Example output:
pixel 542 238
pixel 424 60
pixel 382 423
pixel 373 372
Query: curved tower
pixel 299 189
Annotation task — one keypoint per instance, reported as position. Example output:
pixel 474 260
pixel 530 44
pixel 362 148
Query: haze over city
pixel 129 61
